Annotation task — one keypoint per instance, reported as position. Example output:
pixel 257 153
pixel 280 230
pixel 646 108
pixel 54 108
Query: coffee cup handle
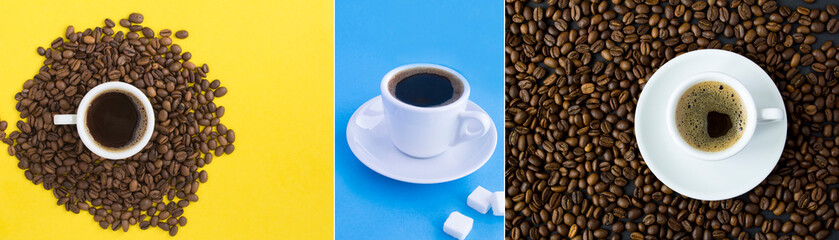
pixel 469 119
pixel 770 115
pixel 64 119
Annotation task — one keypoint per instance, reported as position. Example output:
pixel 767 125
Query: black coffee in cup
pixel 426 87
pixel 710 116
pixel 116 120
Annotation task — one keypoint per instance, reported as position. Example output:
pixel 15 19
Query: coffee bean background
pixel 271 59
pixel 574 72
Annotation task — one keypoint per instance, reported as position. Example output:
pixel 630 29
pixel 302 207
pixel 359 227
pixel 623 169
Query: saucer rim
pixel 666 178
pixel 384 172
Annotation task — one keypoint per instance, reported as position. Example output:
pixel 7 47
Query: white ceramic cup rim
pixel 84 133
pixel 745 97
pixel 390 76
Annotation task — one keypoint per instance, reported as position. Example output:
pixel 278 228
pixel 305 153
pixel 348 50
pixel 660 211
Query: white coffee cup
pixel 425 132
pixel 754 116
pixel 80 120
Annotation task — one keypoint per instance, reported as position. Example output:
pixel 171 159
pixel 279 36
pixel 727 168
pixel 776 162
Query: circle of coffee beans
pixel 151 188
pixel 574 72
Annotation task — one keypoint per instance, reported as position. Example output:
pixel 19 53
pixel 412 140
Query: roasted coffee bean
pixel 173 231
pixel 70 31
pixel 148 33
pixel 202 176
pixel 141 189
pixel 832 26
pixel 109 23
pixel 89 40
pixel 220 92
pixel 231 136
pixel 181 34
pixel 135 18
pixel 172 221
pixel 164 226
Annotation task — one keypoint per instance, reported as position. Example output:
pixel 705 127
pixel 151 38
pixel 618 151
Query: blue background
pixel 373 37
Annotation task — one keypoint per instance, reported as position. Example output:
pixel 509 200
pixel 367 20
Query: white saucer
pixel 367 135
pixel 692 177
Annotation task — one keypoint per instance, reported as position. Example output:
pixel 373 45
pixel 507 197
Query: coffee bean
pixel 231 136
pixel 144 225
pixel 192 197
pixel 588 88
pixel 178 212
pixel 124 23
pixel 124 224
pixel 70 31
pixel 173 231
pixel 220 92
pixel 89 40
pixel 134 186
pixel 164 226
pixel 229 149
pixel 145 204
pixel 832 26
pixel 181 34
pixel 202 176
pixel 135 18
pixel 175 48
pixel 148 33
pixel 189 65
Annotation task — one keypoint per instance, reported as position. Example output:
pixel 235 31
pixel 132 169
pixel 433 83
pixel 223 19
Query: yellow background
pixel 276 59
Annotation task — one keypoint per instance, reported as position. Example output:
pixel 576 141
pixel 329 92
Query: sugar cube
pixel 457 225
pixel 497 202
pixel 479 200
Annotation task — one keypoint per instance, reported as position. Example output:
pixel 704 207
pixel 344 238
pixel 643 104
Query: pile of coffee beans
pixel 152 188
pixel 574 72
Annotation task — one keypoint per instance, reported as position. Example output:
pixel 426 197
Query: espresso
pixel 115 120
pixel 710 116
pixel 426 87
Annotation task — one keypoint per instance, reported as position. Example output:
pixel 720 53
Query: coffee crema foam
pixel 456 85
pixel 693 108
pixel 139 130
